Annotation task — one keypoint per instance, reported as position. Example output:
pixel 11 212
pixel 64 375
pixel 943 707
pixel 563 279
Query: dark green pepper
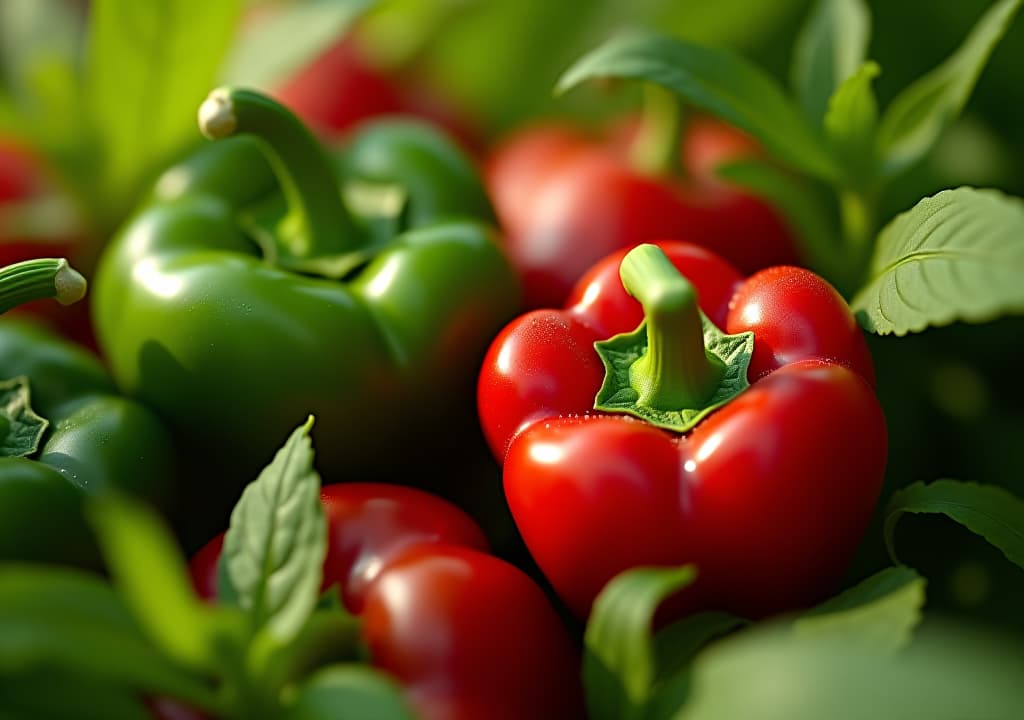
pixel 264 281
pixel 65 432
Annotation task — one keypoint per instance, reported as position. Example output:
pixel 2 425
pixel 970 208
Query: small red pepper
pixel 468 635
pixel 760 463
pixel 565 199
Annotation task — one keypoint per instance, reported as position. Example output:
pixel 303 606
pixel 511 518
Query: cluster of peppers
pixel 647 404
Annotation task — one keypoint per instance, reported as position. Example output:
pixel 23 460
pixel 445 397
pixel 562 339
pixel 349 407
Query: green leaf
pixel 717 81
pixel 362 691
pixel 850 123
pixel 266 51
pixel 71 621
pixel 39 59
pixel 878 613
pixel 148 68
pixel 31 696
pixel 150 572
pixel 329 636
pixel 619 662
pixel 918 115
pixel 832 44
pixel 617 394
pixel 957 255
pixel 275 546
pixel 676 645
pixel 21 429
pixel 771 673
pixel 986 510
pixel 674 648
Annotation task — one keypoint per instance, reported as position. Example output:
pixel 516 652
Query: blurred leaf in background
pixel 40 43
pixel 105 92
pixel 502 57
pixel 148 67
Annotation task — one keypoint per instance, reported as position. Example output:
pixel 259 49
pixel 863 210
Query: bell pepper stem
pixel 676 371
pixel 317 224
pixel 39 279
pixel 656 148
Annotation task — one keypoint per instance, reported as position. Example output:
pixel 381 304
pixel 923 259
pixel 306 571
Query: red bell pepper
pixel 673 442
pixel 467 634
pixel 565 199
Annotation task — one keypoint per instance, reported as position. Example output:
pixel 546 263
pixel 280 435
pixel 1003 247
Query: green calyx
pixel 307 229
pixel 676 367
pixel 40 279
pixel 21 429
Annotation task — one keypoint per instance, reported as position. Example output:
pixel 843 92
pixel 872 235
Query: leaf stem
pixel 656 147
pixel 857 212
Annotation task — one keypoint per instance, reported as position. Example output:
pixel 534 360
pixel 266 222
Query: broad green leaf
pixel 150 572
pixel 149 66
pixel 70 621
pixel 21 429
pixel 619 662
pixel 986 510
pixel 717 81
pixel 362 691
pixel 674 648
pixel 958 255
pixel 266 51
pixel 675 645
pixel 768 672
pixel 277 540
pixel 879 612
pixel 918 115
pixel 804 206
pixel 851 121
pixel 832 44
pixel 40 61
pixel 32 696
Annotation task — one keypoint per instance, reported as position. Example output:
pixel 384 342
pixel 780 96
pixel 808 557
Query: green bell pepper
pixel 65 432
pixel 265 279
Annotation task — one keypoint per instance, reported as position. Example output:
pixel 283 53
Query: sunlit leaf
pixel 832 44
pixel 958 255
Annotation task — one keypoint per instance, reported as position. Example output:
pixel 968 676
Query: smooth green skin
pixel 234 352
pixel 416 157
pixel 97 440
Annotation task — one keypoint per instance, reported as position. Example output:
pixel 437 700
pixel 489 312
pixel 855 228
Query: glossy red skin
pixel 468 635
pixel 769 495
pixel 566 199
pixel 341 88
pixel 21 178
